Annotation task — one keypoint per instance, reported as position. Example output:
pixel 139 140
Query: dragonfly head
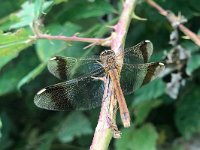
pixel 107 58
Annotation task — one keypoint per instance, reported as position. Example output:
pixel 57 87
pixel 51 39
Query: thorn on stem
pixel 90 45
pixel 76 34
pixel 111 27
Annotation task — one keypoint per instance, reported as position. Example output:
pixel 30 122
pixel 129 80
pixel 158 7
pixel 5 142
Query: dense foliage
pixel 158 121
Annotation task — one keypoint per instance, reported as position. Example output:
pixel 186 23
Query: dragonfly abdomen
pixel 124 113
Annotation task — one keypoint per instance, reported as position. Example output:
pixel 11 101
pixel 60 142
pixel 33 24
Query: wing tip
pixel 159 69
pixel 39 101
pixel 149 44
pixel 147 41
pixel 53 58
pixel 41 91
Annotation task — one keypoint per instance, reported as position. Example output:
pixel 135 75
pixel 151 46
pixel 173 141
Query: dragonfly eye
pixel 107 52
pixel 110 59
pixel 107 56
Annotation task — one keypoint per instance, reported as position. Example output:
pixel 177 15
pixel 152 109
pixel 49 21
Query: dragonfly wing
pixel 134 76
pixel 76 94
pixel 60 66
pixel 139 53
pixel 65 67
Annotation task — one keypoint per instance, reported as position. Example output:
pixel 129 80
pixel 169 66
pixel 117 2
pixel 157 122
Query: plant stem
pixel 121 28
pixel 103 132
pixel 184 29
pixel 95 41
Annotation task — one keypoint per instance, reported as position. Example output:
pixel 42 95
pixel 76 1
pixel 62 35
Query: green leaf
pixel 11 44
pixel 81 9
pixel 10 7
pixel 178 147
pixel 26 15
pixel 60 1
pixel 150 91
pixel 143 138
pixel 14 71
pixel 6 129
pixel 72 127
pixel 103 30
pixel 46 141
pixel 193 63
pixel 190 46
pixel 188 112
pixel 142 110
pixel 31 75
pixel 38 8
pixel 0 128
pixel 46 49
pixel 194 5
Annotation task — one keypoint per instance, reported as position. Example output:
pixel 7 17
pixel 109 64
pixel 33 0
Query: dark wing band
pixel 139 53
pixel 134 76
pixel 80 94
pixel 65 68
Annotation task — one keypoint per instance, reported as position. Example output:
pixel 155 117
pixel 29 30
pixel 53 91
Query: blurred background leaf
pixel 28 13
pixel 152 91
pixel 158 122
pixel 9 76
pixel 71 129
pixel 187 113
pixel 46 48
pixel 31 75
pixel 11 44
pixel 143 138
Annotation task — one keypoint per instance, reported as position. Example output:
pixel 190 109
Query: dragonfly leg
pixel 116 132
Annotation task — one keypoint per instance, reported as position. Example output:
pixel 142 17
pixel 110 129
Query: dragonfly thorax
pixel 108 59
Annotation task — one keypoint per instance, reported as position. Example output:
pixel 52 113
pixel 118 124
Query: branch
pixel 184 29
pixel 103 131
pixel 121 28
pixel 106 126
pixel 93 41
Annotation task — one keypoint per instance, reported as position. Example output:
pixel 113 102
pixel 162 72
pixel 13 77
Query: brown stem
pixel 95 41
pixel 184 29
pixel 158 7
pixel 103 132
pixel 121 28
pixel 191 34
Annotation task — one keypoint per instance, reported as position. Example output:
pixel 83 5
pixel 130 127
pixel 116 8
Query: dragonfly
pixel 82 88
